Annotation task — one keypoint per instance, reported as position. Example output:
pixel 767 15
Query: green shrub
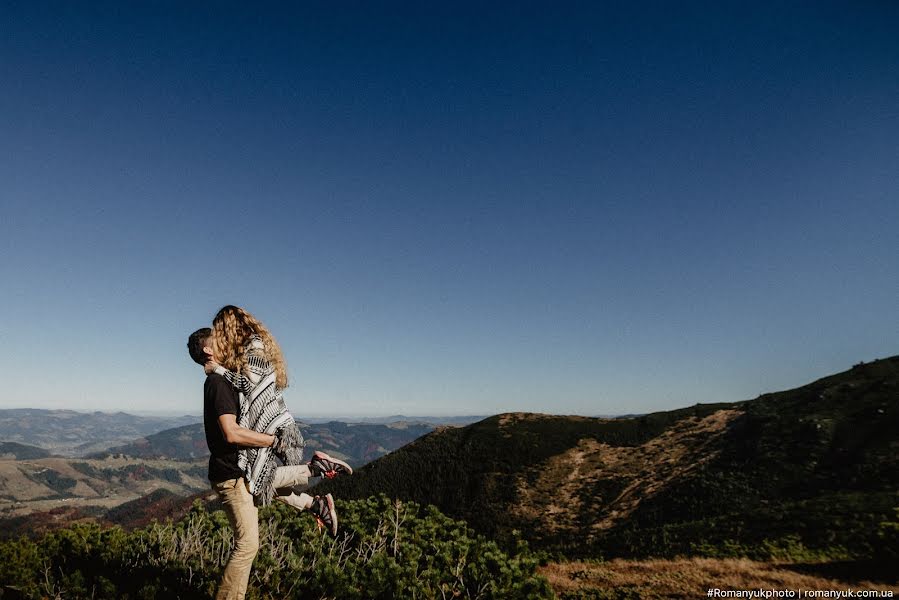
pixel 889 535
pixel 386 550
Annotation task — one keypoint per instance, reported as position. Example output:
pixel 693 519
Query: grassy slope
pixel 692 577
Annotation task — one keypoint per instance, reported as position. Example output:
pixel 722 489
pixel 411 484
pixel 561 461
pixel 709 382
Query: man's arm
pixel 241 436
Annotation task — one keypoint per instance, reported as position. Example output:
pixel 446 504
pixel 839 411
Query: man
pixel 221 407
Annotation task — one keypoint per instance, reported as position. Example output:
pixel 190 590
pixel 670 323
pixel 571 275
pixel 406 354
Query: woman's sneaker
pixel 325 514
pixel 323 465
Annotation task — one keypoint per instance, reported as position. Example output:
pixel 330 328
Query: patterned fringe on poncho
pixel 259 464
pixel 263 410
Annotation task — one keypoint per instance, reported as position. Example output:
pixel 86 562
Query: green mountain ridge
pixel 813 469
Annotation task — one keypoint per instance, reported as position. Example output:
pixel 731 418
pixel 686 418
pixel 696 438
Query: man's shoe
pixel 323 465
pixel 325 514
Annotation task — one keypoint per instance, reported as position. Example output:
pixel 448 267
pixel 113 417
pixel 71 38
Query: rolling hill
pixel 813 469
pixel 16 451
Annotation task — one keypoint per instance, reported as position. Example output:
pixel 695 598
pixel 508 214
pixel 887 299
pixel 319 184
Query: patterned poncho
pixel 262 409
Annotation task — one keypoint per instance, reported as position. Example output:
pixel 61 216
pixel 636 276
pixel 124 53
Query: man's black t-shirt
pixel 219 398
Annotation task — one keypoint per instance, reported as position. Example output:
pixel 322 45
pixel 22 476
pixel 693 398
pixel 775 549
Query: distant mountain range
pixel 357 443
pixel 457 421
pixel 816 467
pixel 71 433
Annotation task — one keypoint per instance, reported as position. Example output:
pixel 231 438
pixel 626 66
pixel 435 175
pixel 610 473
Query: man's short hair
pixel 195 344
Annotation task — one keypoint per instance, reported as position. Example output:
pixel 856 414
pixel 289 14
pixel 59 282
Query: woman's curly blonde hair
pixel 231 331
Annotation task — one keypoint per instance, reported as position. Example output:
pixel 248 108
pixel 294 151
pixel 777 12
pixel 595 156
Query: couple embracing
pixel 256 448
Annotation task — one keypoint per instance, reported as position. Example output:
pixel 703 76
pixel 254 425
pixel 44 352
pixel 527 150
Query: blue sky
pixel 449 208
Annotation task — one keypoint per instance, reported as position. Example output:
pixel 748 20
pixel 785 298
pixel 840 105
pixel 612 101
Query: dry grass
pixel 685 578
pixel 642 471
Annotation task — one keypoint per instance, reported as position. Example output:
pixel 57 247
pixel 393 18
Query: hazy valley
pixel 72 433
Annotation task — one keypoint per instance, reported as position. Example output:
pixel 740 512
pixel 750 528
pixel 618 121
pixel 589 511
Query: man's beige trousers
pixel 244 517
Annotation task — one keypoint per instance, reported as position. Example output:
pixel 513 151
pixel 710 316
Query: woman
pixel 251 360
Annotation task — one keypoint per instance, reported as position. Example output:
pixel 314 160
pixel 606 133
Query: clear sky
pixel 448 208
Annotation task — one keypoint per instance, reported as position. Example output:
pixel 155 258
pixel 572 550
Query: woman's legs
pixel 291 479
pixel 290 476
pixel 287 480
